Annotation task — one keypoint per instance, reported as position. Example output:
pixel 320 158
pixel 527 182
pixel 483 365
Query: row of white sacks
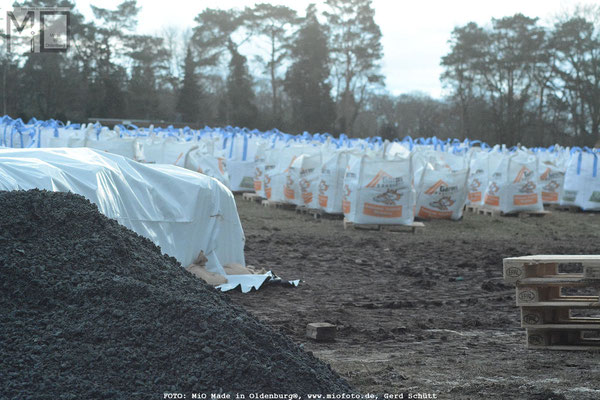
pixel 369 180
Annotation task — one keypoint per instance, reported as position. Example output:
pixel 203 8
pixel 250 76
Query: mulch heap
pixel 89 309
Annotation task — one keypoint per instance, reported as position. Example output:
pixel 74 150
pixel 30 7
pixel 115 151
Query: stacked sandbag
pixel 515 184
pixel 379 191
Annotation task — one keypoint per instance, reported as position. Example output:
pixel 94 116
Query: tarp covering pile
pixel 183 212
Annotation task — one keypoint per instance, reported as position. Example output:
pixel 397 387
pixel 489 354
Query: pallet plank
pixel 278 204
pixel 379 227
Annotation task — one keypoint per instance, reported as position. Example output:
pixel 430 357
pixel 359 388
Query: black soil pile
pixel 90 309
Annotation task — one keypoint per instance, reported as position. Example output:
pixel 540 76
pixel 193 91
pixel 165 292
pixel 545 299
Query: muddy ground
pixel 421 314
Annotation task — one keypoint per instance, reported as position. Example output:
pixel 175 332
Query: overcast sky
pixel 415 33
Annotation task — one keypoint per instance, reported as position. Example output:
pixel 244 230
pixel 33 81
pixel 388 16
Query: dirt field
pixel 419 314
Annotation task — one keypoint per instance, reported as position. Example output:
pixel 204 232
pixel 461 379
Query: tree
pixel 306 79
pixel 576 45
pixel 188 103
pixel 212 39
pixel 274 23
pixel 150 62
pixel 241 110
pixel 107 44
pixel 469 45
pixel 356 51
pixel 502 65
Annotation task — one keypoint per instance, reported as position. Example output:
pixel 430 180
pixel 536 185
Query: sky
pixel 415 32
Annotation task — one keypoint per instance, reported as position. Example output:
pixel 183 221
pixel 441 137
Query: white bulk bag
pixel 207 164
pixel 275 175
pixel 262 158
pixel 483 163
pixel 171 151
pixel 331 184
pixel 112 142
pixel 240 151
pixel 442 193
pixel 552 176
pixel 68 137
pixel 478 177
pixel 302 180
pixel 582 181
pixel 515 185
pixel 379 191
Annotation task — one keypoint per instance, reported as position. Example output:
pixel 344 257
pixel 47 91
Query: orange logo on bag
pixel 475 197
pixel 493 189
pixel 221 165
pixel 435 187
pixel 347 192
pixel 323 187
pixel 257 174
pixel 304 185
pixel 443 203
pixel 529 187
pixel 523 173
pixel 306 195
pixel 380 175
pixel 551 186
pixel 545 175
pixel 474 185
pixel 178 158
pixel 290 166
pixel 391 196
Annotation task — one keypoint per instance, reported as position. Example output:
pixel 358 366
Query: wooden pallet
pixel 317 213
pixel 516 269
pixel 548 314
pixel 573 209
pixel 278 204
pixel 378 227
pixel 252 197
pixel 560 316
pixel 564 339
pixel 558 207
pixel 471 208
pixel 481 210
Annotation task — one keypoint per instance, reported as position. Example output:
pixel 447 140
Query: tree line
pixel 511 81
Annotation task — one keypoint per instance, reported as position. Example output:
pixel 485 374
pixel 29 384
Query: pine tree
pixel 240 96
pixel 306 79
pixel 188 103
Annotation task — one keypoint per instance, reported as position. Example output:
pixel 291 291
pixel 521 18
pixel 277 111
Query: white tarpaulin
pixel 181 211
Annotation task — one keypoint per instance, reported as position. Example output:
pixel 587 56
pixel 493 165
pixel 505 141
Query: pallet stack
pixel 555 316
pixel 483 210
